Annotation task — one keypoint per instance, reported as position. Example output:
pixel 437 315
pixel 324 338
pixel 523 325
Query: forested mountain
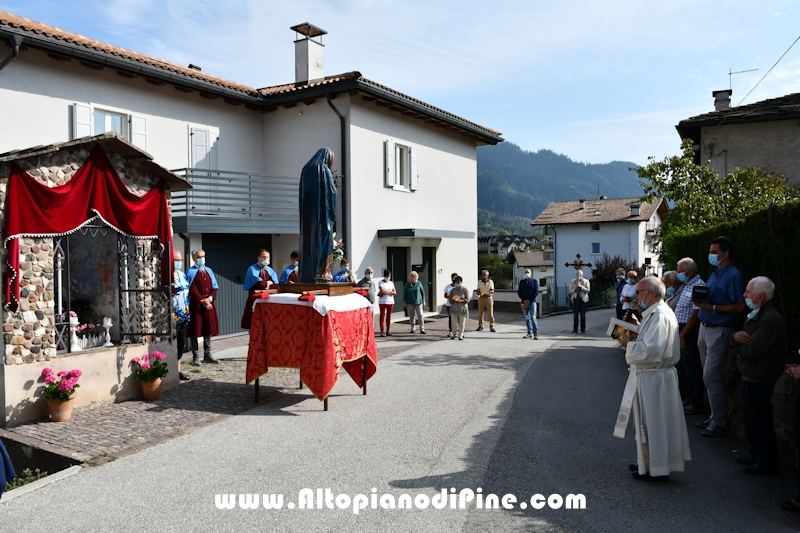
pixel 515 182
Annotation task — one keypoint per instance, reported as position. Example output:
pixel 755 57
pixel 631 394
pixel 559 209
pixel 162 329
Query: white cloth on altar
pixel 322 304
pixel 662 442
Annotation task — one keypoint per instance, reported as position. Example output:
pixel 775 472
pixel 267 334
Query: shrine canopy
pixel 33 209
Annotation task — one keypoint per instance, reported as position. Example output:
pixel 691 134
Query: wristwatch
pixel 714 308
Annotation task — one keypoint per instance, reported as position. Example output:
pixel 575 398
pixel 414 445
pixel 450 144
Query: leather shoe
pixel 791 505
pixel 692 410
pixel 714 430
pixel 746 460
pixel 648 477
pixel 633 467
pixel 762 470
pixel 704 424
pixel 210 359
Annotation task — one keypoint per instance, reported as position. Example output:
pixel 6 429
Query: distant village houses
pixel 503 244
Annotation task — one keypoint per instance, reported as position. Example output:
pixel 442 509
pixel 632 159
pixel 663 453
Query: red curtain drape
pixel 35 210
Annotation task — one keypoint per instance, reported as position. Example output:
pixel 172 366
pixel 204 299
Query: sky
pixel 597 81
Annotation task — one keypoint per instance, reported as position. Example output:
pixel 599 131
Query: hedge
pixel 766 244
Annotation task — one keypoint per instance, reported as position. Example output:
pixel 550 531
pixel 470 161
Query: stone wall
pixel 28 334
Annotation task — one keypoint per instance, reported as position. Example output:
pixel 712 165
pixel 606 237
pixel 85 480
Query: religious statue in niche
pixel 317 216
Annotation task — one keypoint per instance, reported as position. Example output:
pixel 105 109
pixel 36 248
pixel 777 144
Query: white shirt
pixel 447 294
pixel 386 286
pixel 628 291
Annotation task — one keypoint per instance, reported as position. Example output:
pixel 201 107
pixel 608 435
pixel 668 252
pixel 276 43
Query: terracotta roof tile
pixel 610 210
pixel 15 21
pixel 355 75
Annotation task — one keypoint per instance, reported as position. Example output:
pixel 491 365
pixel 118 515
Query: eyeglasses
pixel 643 290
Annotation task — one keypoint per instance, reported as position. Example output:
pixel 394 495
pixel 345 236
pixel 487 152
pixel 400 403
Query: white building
pixel 243 148
pixel 540 262
pixel 622 227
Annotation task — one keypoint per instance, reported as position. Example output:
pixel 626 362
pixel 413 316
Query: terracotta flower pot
pixel 152 389
pixel 60 411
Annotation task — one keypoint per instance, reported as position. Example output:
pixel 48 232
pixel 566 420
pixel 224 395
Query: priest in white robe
pixel 651 394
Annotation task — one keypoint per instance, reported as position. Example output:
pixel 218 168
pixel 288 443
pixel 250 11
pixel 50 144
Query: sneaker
pixel 480 328
pixel 528 336
pixel 383 334
pixel 388 333
pixel 493 330
pixel 196 362
pixel 704 424
pixel 536 337
pixel 714 430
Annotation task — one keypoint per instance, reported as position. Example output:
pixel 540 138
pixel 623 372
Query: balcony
pixel 222 201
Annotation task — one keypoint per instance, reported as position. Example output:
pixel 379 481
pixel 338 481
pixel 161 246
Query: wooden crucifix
pixel 578 264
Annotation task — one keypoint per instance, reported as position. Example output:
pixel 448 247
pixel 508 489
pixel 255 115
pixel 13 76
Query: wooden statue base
pixel 326 289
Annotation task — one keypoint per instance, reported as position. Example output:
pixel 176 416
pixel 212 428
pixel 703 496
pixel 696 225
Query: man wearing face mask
pixel 674 288
pixel 344 275
pixel 289 274
pixel 651 393
pixel 621 282
pixel 718 319
pixel 689 326
pixel 528 291
pixel 259 277
pixel 579 289
pixel 760 349
pixel 202 306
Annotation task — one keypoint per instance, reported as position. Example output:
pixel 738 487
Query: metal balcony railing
pixel 244 199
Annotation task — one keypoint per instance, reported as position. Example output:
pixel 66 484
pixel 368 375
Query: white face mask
pixel 265 262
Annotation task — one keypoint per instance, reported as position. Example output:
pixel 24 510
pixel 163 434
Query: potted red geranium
pixel 59 391
pixel 151 370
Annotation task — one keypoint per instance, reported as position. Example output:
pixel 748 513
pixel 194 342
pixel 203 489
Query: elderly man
pixel 761 350
pixel 485 300
pixel 718 318
pixel 202 306
pixel 662 442
pixel 528 291
pixel 579 289
pixel 689 327
pixel 369 285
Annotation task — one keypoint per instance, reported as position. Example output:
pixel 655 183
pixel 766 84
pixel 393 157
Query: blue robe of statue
pixel 317 214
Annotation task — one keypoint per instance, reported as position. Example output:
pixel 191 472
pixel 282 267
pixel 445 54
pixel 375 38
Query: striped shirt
pixel 685 307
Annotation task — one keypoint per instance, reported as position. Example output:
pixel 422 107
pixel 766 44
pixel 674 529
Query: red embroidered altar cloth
pixel 35 210
pixel 298 336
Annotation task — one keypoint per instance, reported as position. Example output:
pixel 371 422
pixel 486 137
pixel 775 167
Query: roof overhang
pixel 65 48
pixel 418 233
pixel 114 143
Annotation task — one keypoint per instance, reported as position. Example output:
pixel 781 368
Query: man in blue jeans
pixel 719 318
pixel 527 292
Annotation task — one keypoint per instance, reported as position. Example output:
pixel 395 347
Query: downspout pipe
pixel 345 188
pixel 15 41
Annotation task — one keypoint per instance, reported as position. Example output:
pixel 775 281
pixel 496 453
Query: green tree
pixel 703 198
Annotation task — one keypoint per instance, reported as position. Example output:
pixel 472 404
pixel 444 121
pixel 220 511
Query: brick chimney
pixel 309 55
pixel 722 99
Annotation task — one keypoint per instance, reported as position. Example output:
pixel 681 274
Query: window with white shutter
pixel 139 132
pixel 414 168
pixel 402 166
pixel 81 120
pixel 389 161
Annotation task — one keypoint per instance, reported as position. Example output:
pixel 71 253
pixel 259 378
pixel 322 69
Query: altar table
pixel 317 337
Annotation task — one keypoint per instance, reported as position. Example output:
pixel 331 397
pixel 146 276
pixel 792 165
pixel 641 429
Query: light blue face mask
pixel 713 259
pixel 750 303
pixel 670 291
pixel 201 262
pixel 369 276
pixel 345 268
pixel 295 264
pixel 682 277
pixel 265 263
pixel 630 281
pixel 643 305
pixel 458 285
pixel 527 275
pixel 178 265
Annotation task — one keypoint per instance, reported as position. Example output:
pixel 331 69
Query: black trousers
pixel 797 437
pixel 620 312
pixel 578 310
pixel 180 338
pixel 693 368
pixel 758 425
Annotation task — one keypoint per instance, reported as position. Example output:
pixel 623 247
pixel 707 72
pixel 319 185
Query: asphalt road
pixel 506 414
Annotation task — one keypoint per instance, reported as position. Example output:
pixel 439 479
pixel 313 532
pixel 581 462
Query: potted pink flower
pixel 151 369
pixel 59 391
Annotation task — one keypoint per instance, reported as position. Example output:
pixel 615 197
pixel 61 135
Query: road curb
pixel 39 483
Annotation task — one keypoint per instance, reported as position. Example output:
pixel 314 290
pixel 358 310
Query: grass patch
pixel 27 476
pixel 195 371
